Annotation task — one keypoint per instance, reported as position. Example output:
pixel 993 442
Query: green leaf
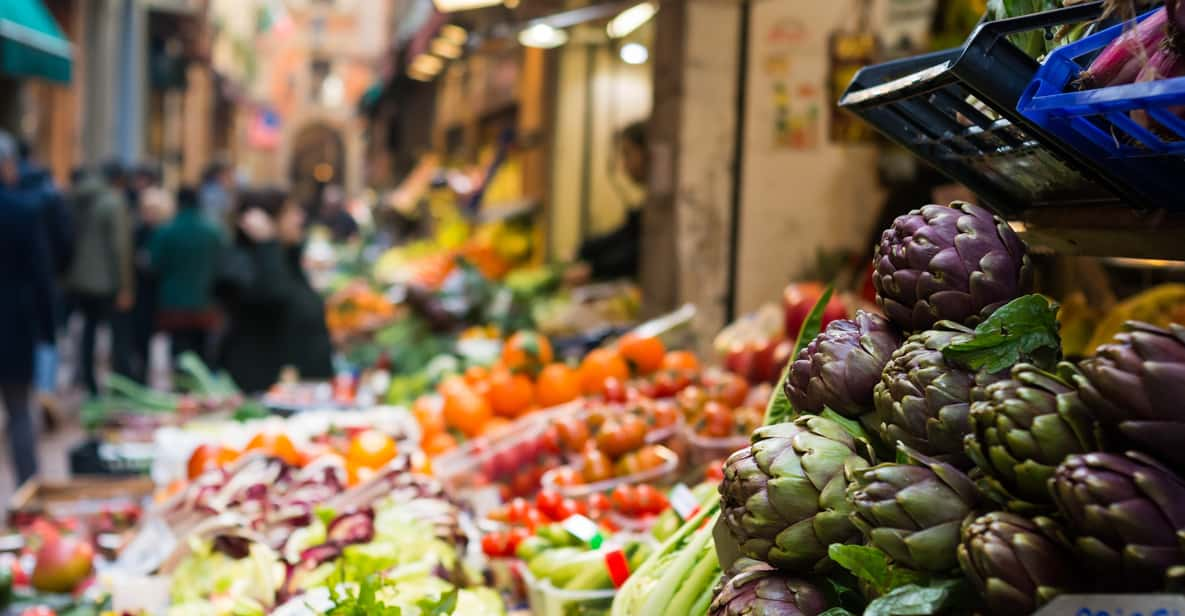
pixel 873 567
pixel 918 600
pixel 1017 330
pixel 836 611
pixel 780 409
pixel 443 605
pixel 325 514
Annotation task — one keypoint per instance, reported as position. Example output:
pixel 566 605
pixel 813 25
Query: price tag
pixel 584 529
pixel 1115 605
pixel 685 504
pixel 618 566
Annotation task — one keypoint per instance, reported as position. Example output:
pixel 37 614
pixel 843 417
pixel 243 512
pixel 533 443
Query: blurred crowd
pixel 217 268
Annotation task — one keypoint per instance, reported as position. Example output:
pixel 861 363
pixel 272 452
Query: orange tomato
pixel 557 384
pixel 427 411
pixel 372 449
pixel 438 444
pixel 275 444
pixel 452 383
pixel 601 364
pixel 466 410
pixel 206 457
pixel 527 351
pixel 645 354
pixel 511 394
pixel 476 374
pixel 680 360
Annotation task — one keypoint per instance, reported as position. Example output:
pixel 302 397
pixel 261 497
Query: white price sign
pixel 1115 605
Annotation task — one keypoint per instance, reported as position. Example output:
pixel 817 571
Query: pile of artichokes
pixel 1025 482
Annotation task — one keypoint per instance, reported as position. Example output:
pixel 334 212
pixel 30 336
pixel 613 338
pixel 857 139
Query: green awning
pixel 371 97
pixel 31 43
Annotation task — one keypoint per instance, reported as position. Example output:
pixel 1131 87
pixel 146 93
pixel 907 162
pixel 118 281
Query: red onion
pixel 1122 60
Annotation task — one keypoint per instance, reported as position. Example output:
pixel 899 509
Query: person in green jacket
pixel 184 255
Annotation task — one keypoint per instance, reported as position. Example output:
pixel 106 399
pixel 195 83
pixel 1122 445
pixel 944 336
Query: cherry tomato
pixel 516 511
pixel 663 414
pixel 566 476
pixel 581 507
pixel 515 537
pixel 650 457
pixel 670 382
pixel 495 544
pixel 599 502
pixel 731 390
pixel 564 510
pixel 548 502
pixel 648 499
pixel 596 466
pixel 535 519
pixel 624 499
pixel 622 436
pixel 572 433
pixel 715 471
pixel 614 390
pixel 717 420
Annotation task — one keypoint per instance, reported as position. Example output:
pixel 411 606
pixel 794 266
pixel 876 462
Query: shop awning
pixel 31 43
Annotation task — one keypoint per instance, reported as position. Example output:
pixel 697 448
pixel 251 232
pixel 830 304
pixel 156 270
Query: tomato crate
pixel 1101 124
pixel 957 110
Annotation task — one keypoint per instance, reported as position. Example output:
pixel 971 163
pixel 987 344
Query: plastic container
pixel 547 600
pixel 659 474
pixel 957 110
pixel 703 449
pixel 1098 124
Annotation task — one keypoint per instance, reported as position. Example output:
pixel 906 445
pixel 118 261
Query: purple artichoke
pixel 923 401
pixel 753 588
pixel 841 366
pixel 956 263
pixel 1135 387
pixel 1022 428
pixel 1015 565
pixel 1127 513
pixel 913 513
pixel 782 497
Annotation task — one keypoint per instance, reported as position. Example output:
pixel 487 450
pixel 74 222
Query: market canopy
pixel 31 43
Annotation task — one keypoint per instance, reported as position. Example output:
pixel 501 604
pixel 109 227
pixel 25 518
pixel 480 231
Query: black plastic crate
pixel 956 109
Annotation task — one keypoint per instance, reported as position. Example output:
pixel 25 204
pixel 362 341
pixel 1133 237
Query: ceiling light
pixel 634 53
pixel 452 6
pixel 454 33
pixel 445 49
pixel 631 19
pixel 428 64
pixel 542 36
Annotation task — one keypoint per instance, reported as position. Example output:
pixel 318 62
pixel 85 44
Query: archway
pixel 318 160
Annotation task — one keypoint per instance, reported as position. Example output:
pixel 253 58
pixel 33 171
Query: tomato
pixel 621 436
pixel 511 394
pixel 731 390
pixel 557 384
pixel 599 365
pixel 627 465
pixel 596 466
pixel 598 502
pixel 466 410
pixel 645 354
pixel 566 508
pixel 496 544
pixel 206 457
pixel 515 537
pixel 649 500
pixel 624 499
pixel 684 361
pixel 549 441
pixel 670 382
pixel 516 511
pixel 572 433
pixel 566 476
pixel 650 457
pixel 535 519
pixel 428 413
pixel 275 444
pixel 663 414
pixel 527 351
pixel 716 420
pixel 438 444
pixel 548 502
pixel 372 449
pixel 715 471
pixel 691 400
pixel 747 419
pixel 613 390
pixel 476 374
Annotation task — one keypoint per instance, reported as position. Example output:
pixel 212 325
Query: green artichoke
pixel 1127 513
pixel 913 513
pixel 841 366
pixel 956 263
pixel 1022 428
pixel 1014 563
pixel 782 497
pixel 923 401
pixel 753 588
pixel 1135 386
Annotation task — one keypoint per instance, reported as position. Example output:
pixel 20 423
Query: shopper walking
pixel 217 194
pixel 26 312
pixel 100 278
pixel 185 254
pixel 153 207
pixel 276 319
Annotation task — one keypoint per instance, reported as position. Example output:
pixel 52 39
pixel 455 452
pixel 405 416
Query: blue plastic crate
pixel 1098 123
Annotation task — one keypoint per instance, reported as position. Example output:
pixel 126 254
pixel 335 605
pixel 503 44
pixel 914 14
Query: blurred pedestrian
pixel 26 311
pixel 334 216
pixel 276 319
pixel 151 206
pixel 217 193
pixel 185 255
pixel 100 279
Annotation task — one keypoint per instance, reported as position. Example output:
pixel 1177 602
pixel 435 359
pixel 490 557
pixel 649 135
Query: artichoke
pixel 923 401
pixel 1022 428
pixel 956 263
pixel 913 513
pixel 1126 512
pixel 1014 564
pixel 753 588
pixel 841 366
pixel 1135 386
pixel 782 497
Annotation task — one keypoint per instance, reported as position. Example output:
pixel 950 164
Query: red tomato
pixel 535 519
pixel 516 511
pixel 564 510
pixel 599 502
pixel 548 502
pixel 614 390
pixel 624 499
pixel 495 544
pixel 515 537
pixel 715 471
pixel 731 391
pixel 648 499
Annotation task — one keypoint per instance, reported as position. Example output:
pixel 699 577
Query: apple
pixel 62 564
pixel 800 298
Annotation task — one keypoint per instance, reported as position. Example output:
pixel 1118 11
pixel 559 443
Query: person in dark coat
pixel 275 317
pixel 185 254
pixel 26 310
